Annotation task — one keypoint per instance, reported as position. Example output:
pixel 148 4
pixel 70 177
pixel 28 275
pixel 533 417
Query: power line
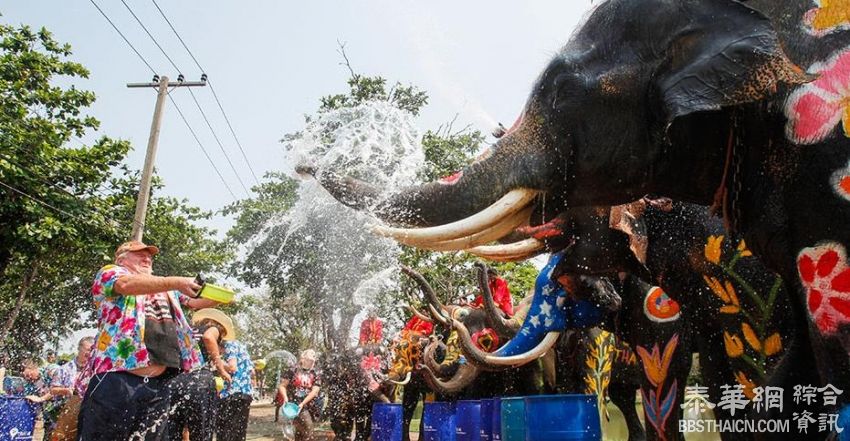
pixel 151 36
pixel 37 177
pixel 212 89
pixel 56 209
pixel 178 36
pixel 122 36
pixel 203 114
pixel 185 121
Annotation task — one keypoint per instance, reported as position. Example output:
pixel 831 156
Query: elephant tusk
pixel 402 382
pixel 521 359
pixel 508 205
pixel 418 314
pixel 514 251
pixel 498 231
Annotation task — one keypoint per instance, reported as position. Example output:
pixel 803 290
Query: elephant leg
pixel 623 396
pixel 549 373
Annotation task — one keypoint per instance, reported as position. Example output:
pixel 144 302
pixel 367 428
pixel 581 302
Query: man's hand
pixel 34 398
pixel 187 286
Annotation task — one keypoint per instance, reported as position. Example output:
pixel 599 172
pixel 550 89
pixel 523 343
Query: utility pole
pixel 150 156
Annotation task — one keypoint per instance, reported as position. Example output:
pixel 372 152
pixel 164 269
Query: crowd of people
pixel 150 373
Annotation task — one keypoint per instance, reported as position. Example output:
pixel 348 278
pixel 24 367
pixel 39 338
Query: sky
pixel 271 61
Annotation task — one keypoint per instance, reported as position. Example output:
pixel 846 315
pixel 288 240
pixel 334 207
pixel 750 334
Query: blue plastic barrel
pixel 562 417
pixel 468 420
pixel 496 427
pixel 17 419
pixel 486 420
pixel 513 419
pixel 438 421
pixel 386 422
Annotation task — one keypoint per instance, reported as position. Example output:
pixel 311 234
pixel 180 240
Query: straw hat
pixel 218 317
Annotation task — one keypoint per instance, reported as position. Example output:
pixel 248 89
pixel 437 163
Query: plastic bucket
pixel 438 421
pixel 496 426
pixel 17 419
pixel 562 417
pixel 468 420
pixel 486 430
pixel 290 410
pixel 513 419
pixel 386 422
pixel 216 293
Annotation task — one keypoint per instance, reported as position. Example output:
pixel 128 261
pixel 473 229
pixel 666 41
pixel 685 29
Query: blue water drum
pixel 468 420
pixel 513 419
pixel 386 422
pixel 496 426
pixel 562 417
pixel 438 421
pixel 17 419
pixel 486 420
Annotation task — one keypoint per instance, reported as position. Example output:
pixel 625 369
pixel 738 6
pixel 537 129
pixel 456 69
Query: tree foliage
pixel 64 208
pixel 305 288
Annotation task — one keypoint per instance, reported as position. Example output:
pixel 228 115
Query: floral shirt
pixel 119 345
pixel 241 383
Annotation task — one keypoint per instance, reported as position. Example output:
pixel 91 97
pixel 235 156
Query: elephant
pixel 714 285
pixel 353 384
pixel 735 104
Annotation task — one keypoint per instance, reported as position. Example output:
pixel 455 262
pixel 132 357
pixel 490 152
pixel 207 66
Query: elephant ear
pixel 724 54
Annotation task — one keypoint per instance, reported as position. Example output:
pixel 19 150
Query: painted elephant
pixel 742 105
pixel 352 378
pixel 722 303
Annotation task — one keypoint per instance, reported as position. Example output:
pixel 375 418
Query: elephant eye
pixel 570 90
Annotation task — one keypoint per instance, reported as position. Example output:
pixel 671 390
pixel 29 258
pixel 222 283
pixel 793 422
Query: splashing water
pixel 378 143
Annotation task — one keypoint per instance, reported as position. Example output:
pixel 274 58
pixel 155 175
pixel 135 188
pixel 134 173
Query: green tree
pixel 298 278
pixel 64 209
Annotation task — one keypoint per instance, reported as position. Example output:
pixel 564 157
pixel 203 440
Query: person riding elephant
pixel 740 105
pixel 501 294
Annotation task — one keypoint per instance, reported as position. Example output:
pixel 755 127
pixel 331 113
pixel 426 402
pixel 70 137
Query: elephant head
pixel 609 119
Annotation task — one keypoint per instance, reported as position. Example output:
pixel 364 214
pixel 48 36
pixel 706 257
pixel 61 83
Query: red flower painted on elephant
pixel 826 277
pixel 486 339
pixel 840 181
pixel 817 108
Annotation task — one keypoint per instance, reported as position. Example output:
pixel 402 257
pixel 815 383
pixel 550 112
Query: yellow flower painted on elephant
pixel 726 292
pixel 742 248
pixel 712 249
pixel 829 16
pixel 750 336
pixel 734 345
pixel 773 344
pixel 748 384
pixel 656 363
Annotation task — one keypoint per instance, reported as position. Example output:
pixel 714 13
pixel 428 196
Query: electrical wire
pixel 122 36
pixel 185 121
pixel 212 89
pixel 56 209
pixel 151 36
pixel 204 115
pixel 34 176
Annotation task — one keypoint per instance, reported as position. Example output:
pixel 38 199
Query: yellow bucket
pixel 216 293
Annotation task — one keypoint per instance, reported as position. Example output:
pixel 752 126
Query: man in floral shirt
pixel 143 341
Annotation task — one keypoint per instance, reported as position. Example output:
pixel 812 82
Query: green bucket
pixel 216 293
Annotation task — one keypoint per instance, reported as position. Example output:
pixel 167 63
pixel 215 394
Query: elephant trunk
pixel 465 375
pixel 478 204
pixel 506 328
pixel 438 310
